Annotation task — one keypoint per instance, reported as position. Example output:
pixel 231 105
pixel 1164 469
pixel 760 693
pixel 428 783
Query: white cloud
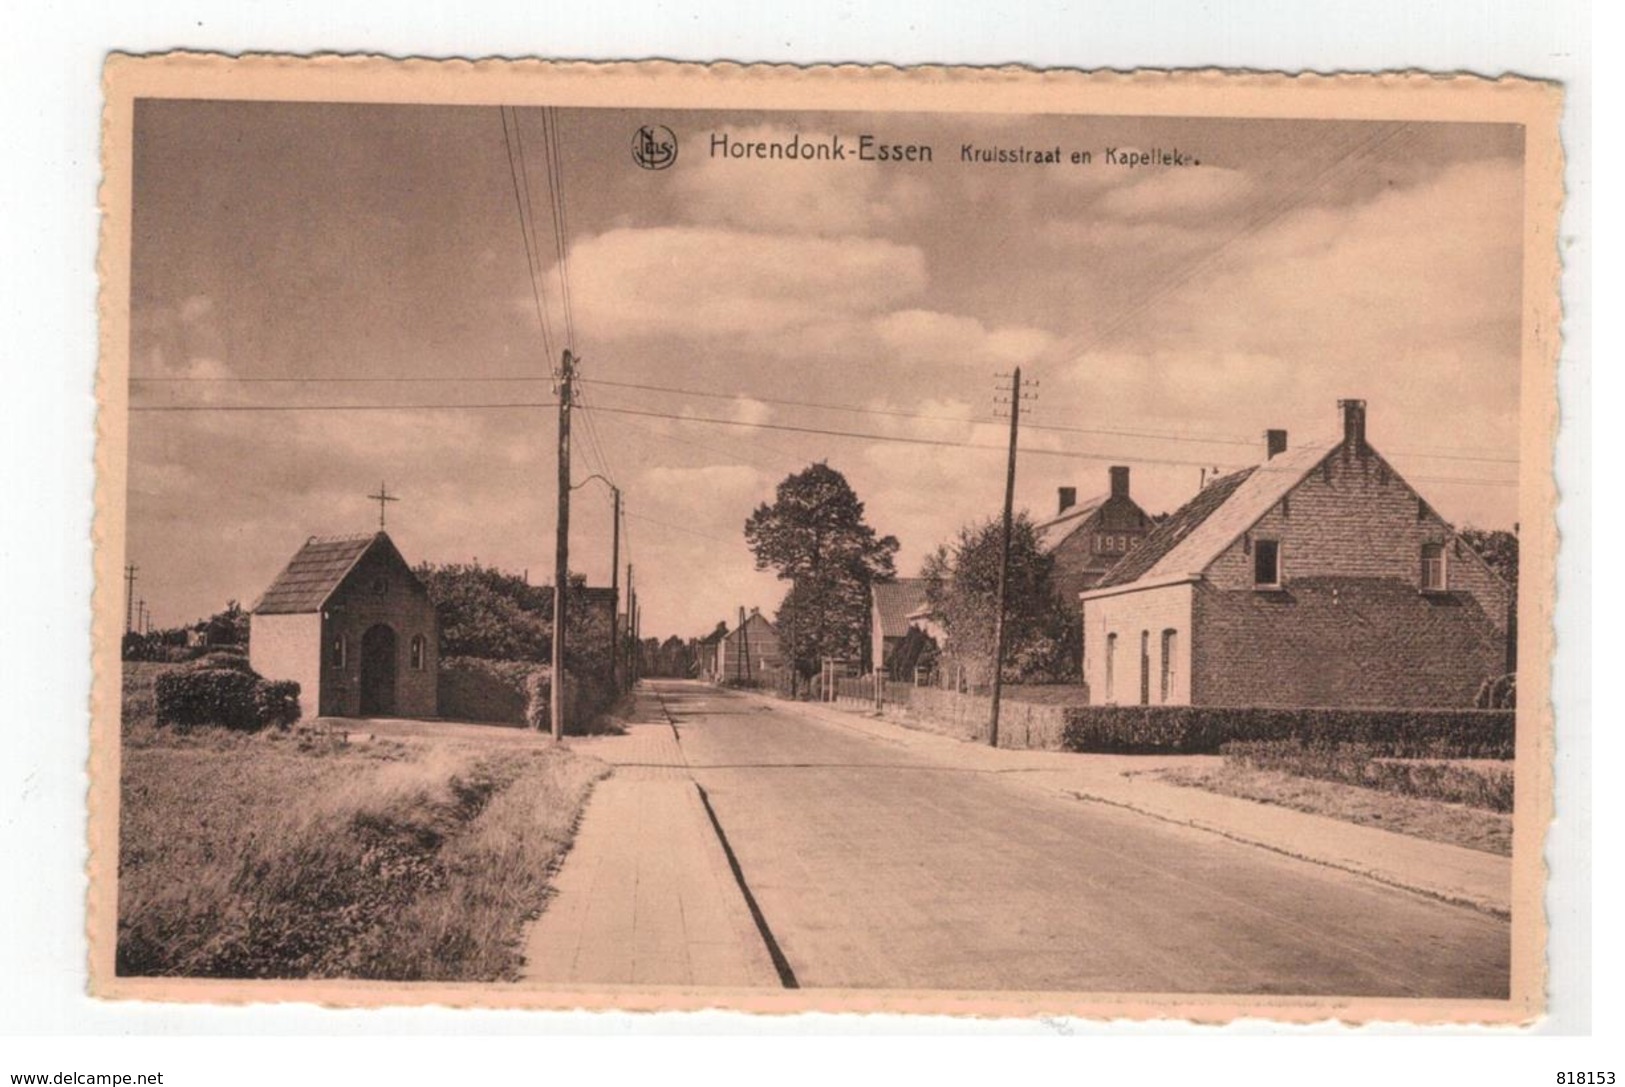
pixel 684 487
pixel 1176 192
pixel 926 336
pixel 704 282
pixel 749 410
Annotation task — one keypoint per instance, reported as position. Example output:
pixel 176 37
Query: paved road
pixel 874 866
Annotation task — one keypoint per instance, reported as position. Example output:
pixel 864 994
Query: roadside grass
pixel 139 705
pixel 297 854
pixel 1477 783
pixel 1435 820
pixel 1048 694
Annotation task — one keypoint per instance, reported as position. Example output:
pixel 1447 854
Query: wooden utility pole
pixel 637 638
pixel 614 587
pixel 561 548
pixel 631 648
pixel 129 595
pixel 1004 561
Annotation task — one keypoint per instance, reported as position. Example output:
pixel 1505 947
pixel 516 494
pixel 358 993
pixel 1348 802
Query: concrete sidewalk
pixel 1446 872
pixel 646 895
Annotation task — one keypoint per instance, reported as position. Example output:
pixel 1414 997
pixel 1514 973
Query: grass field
pixel 1455 824
pixel 298 854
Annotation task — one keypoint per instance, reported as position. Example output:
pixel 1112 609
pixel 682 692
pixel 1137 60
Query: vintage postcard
pixel 968 541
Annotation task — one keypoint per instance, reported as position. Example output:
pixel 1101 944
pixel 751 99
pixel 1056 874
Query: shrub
pixel 1202 730
pixel 1498 693
pixel 224 658
pixel 276 702
pixel 198 697
pixel 233 698
pixel 539 700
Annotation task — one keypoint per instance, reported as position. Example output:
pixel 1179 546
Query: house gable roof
pixel 1199 531
pixel 1054 532
pixel 316 570
pixel 1255 496
pixel 1173 530
pixel 753 617
pixel 895 601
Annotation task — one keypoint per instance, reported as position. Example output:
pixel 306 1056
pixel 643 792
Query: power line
pixel 1270 212
pixel 785 427
pixel 561 229
pixel 1430 453
pixel 520 203
pixel 681 528
pixel 338 407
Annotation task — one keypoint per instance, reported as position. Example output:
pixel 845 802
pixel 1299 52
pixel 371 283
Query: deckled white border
pixel 48 477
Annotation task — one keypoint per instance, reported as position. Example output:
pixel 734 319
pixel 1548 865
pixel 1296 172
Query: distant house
pixel 706 652
pixel 748 652
pixel 1088 538
pixel 349 620
pixel 890 605
pixel 1317 578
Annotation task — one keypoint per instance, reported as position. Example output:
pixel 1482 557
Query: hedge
pixel 233 698
pixel 1202 730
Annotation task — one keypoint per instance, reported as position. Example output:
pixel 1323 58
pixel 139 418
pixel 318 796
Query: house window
pixel 1433 575
pixel 380 585
pixel 1169 645
pixel 1145 668
pixel 336 651
pixel 1111 664
pixel 1266 564
pixel 419 653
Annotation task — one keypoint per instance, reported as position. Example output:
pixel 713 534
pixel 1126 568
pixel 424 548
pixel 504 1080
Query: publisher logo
pixel 654 147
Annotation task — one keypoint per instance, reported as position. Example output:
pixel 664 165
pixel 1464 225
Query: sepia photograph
pixel 665 536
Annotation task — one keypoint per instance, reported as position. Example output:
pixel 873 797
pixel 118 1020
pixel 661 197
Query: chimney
pixel 1068 497
pixel 1119 474
pixel 1274 443
pixel 1353 424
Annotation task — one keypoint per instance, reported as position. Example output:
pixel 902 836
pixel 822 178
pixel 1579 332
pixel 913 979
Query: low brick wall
pixel 1021 724
pixel 505 692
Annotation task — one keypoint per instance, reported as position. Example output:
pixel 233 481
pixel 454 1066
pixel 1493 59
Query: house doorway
pixel 378 671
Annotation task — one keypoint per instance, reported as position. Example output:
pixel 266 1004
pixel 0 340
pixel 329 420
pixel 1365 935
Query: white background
pixel 48 162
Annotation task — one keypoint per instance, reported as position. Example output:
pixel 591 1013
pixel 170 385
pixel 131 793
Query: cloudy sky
pixel 1169 315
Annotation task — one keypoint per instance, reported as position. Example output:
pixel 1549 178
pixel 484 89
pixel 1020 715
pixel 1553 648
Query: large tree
pixel 489 613
pixel 814 536
pixel 962 585
pixel 1499 549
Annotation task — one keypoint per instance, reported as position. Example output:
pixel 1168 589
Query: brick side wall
pixel 474 694
pixel 404 607
pixel 1078 566
pixel 1341 642
pixel 1127 615
pixel 1357 518
pixel 289 647
pixel 1351 626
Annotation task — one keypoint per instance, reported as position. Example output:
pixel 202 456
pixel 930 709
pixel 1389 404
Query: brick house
pixel 1086 539
pixel 349 620
pixel 1317 578
pixel 750 651
pixel 890 605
